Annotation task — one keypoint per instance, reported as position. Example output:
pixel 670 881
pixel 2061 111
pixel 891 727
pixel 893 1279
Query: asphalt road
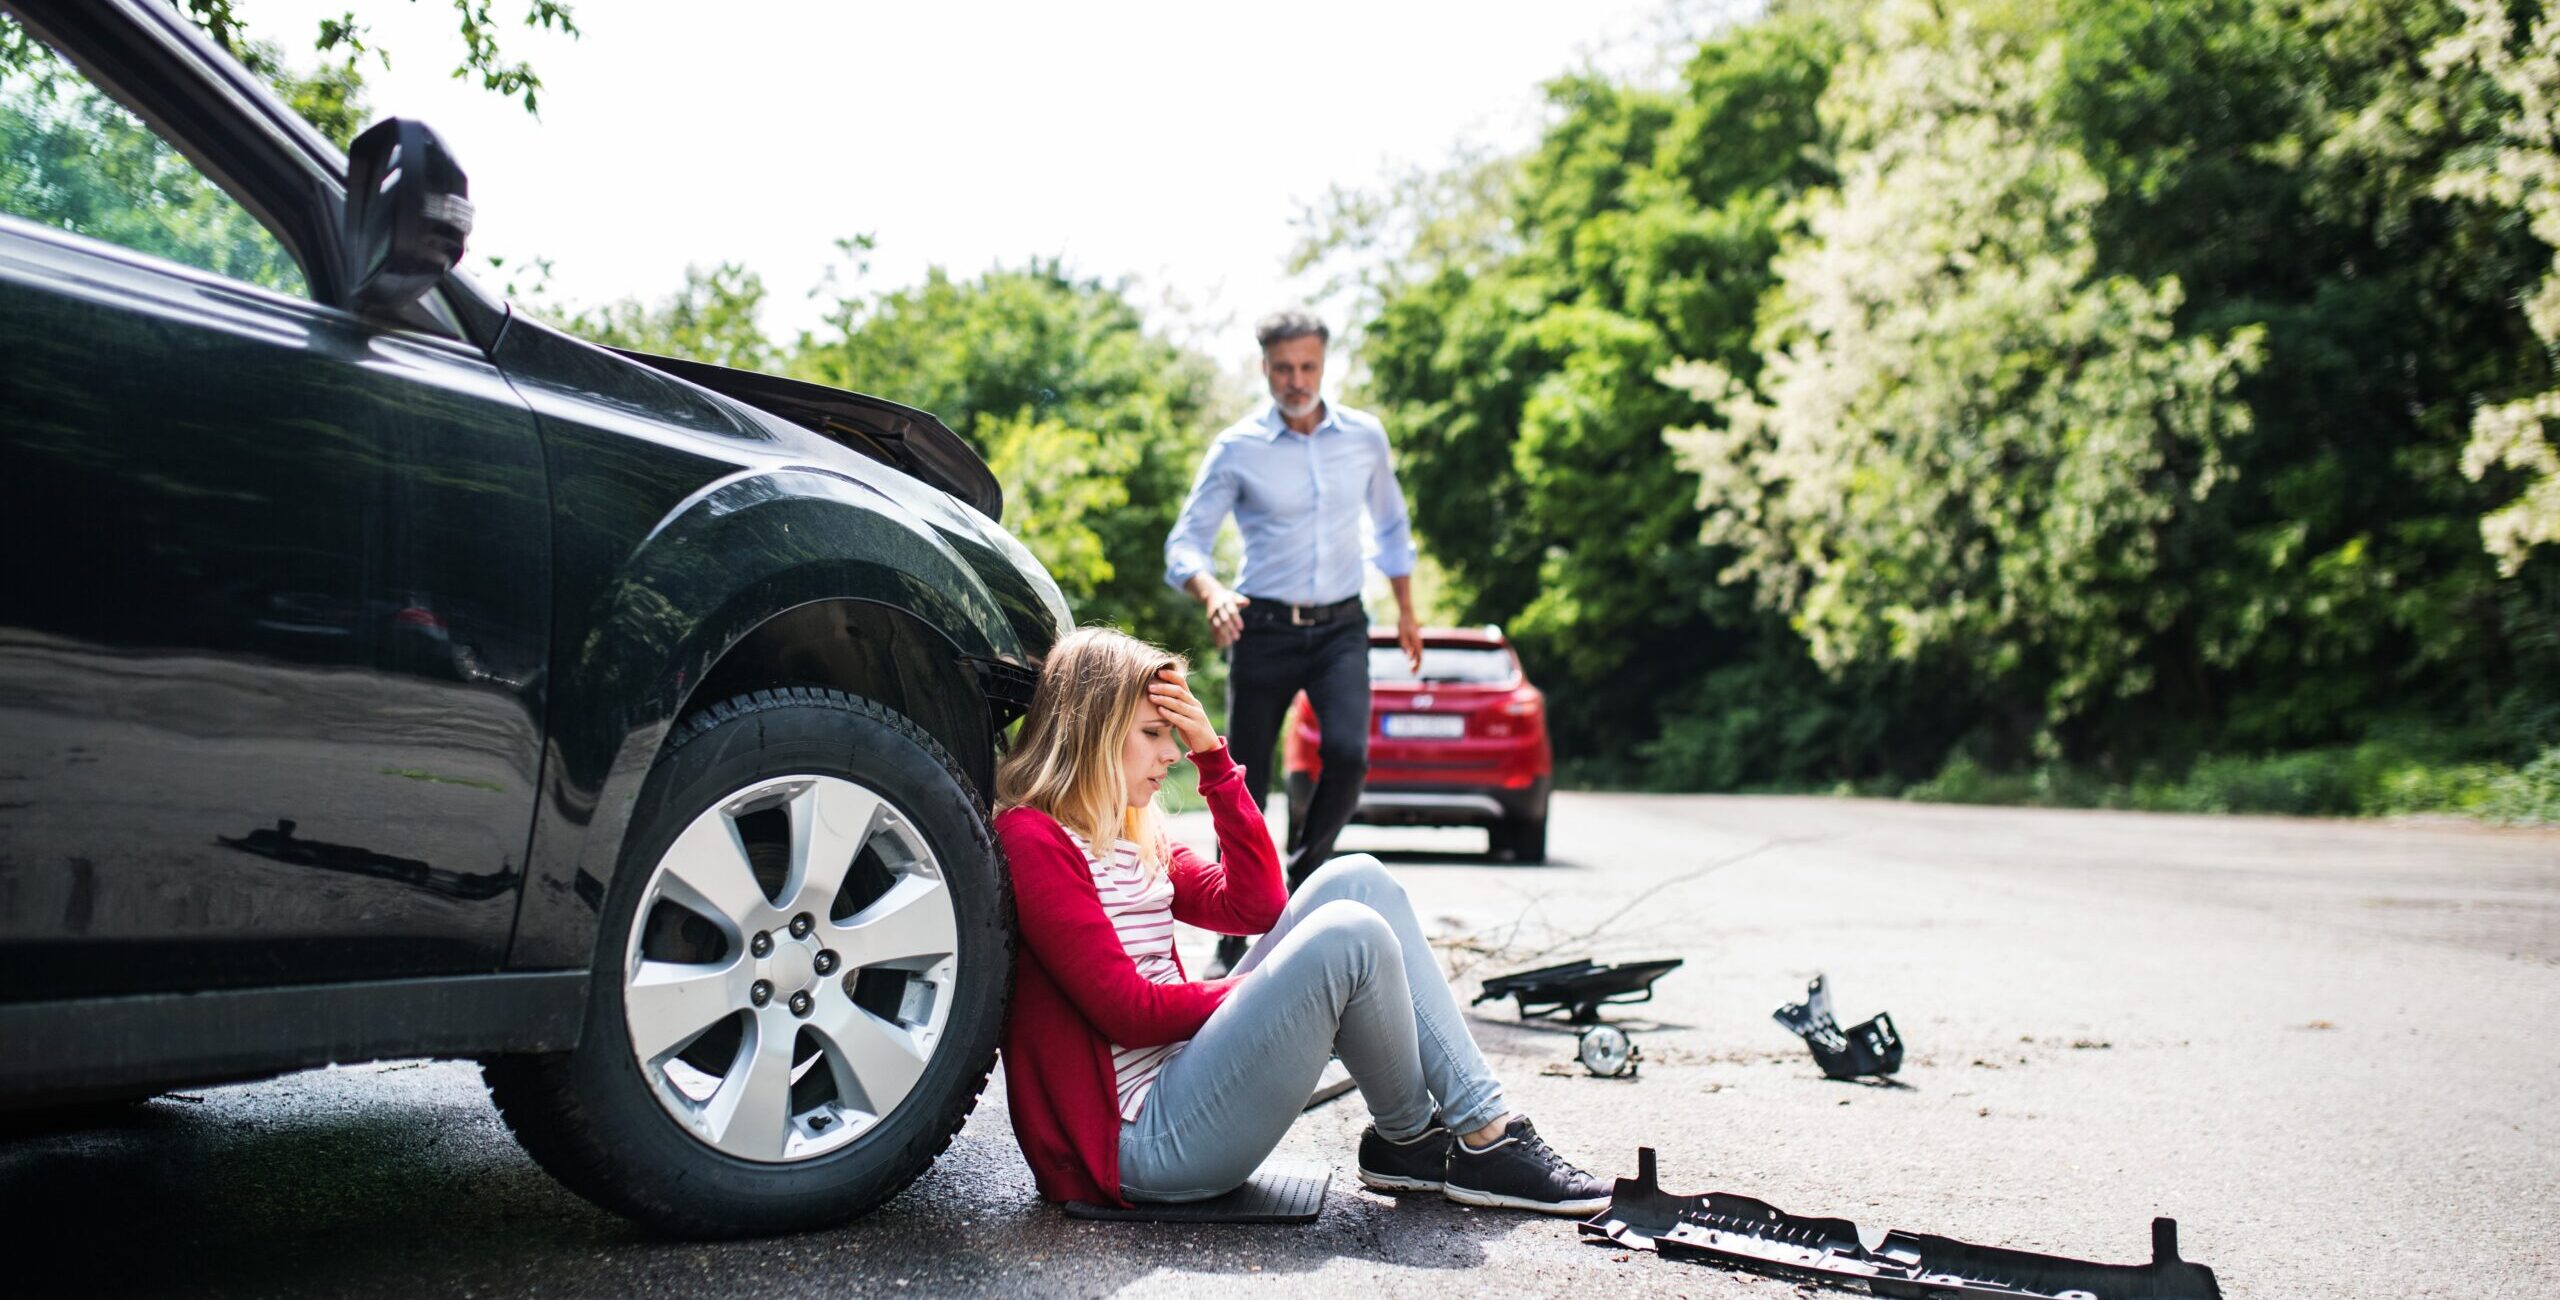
pixel 2325 1048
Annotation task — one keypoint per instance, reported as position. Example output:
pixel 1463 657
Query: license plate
pixel 1424 726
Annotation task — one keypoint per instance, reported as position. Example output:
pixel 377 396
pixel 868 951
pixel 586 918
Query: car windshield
pixel 1442 663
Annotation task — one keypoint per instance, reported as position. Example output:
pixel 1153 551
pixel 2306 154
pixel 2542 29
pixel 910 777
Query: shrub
pixel 2529 796
pixel 2378 778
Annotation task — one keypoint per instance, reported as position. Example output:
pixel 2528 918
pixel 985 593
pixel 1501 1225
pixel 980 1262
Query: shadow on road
pixel 177 1198
pixel 340 1188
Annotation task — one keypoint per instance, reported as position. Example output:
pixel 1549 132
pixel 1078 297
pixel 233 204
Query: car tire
pixel 1524 838
pixel 767 789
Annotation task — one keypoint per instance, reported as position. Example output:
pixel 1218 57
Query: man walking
pixel 1297 475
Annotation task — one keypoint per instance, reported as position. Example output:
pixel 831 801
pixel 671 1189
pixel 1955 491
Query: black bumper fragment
pixel 1869 1048
pixel 1739 1232
pixel 1577 988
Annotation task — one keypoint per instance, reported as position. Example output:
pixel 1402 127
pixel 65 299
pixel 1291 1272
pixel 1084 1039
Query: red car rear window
pixel 1442 664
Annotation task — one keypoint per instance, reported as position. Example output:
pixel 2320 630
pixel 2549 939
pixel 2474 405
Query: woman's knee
pixel 1355 876
pixel 1348 929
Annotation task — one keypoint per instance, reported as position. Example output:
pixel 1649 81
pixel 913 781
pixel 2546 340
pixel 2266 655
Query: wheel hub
pixel 793 966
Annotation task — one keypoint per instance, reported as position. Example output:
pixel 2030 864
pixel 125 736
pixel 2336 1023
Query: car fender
pixel 741 551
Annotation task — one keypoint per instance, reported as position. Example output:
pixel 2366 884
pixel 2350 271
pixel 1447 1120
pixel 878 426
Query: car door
pixel 273 607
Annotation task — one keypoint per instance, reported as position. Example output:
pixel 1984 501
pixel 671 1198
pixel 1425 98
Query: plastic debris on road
pixel 1869 1048
pixel 1738 1232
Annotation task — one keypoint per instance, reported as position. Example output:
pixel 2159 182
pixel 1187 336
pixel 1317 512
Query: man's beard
pixel 1301 410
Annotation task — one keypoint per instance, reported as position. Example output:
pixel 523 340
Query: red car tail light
pixel 1513 714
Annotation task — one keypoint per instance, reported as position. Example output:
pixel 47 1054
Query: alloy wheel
pixel 787 976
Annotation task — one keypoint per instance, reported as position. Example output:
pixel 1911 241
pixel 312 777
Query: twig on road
pixel 1484 951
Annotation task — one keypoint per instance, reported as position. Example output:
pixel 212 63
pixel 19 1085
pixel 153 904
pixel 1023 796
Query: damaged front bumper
pixel 1740 1232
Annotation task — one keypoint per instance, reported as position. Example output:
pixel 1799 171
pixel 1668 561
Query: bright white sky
pixel 1166 140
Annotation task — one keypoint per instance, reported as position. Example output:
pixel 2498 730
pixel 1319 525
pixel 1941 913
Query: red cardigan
pixel 1076 991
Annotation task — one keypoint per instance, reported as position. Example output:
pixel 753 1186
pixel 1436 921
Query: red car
pixel 1465 744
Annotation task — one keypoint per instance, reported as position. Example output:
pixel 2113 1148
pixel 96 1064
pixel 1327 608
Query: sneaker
pixel 1417 1164
pixel 1520 1172
pixel 1230 951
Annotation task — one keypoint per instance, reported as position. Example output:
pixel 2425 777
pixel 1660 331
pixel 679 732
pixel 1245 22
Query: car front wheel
pixel 800 982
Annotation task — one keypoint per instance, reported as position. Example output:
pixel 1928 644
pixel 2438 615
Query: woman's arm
pixel 1066 931
pixel 1241 892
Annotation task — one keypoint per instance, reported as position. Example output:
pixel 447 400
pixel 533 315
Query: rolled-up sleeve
pixel 1393 530
pixel 1195 530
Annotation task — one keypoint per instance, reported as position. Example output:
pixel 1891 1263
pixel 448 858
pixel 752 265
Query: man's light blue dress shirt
pixel 1297 499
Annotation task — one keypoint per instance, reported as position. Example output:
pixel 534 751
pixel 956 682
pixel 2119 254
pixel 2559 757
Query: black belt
pixel 1271 612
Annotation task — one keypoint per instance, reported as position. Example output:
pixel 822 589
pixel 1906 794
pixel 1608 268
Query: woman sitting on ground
pixel 1129 1081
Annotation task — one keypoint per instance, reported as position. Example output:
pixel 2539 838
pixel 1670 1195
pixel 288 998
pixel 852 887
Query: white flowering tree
pixel 1965 446
pixel 2523 173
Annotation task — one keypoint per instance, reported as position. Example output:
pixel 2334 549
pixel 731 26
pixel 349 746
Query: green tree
pixel 342 45
pixel 2521 174
pixel 713 318
pixel 1519 369
pixel 75 160
pixel 1056 381
pixel 1967 447
pixel 2282 160
pixel 1063 486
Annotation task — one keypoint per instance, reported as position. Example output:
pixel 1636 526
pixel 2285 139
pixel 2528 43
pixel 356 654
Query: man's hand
pixel 1408 628
pixel 1173 698
pixel 1224 607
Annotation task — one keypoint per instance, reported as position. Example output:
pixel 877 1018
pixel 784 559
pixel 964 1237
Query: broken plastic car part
pixel 1606 1051
pixel 1869 1048
pixel 1578 990
pixel 1739 1232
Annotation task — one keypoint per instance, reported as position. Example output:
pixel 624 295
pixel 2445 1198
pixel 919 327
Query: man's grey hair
pixel 1281 326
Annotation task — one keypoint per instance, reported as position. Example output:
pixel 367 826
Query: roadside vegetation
pixel 2105 403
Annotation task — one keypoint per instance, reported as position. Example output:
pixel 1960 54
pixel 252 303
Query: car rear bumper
pixel 1396 803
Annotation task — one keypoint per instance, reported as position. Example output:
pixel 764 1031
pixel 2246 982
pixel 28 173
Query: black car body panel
pixel 333 649
pixel 901 436
pixel 240 580
pixel 677 542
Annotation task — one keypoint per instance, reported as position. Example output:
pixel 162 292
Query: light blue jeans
pixel 1345 973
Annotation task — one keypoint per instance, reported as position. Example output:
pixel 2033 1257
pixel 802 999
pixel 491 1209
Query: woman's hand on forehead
pixel 1172 697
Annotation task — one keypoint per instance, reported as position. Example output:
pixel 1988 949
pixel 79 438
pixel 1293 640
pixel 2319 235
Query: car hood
pixel 901 437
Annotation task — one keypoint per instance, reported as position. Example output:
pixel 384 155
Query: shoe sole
pixel 1498 1201
pixel 1393 1183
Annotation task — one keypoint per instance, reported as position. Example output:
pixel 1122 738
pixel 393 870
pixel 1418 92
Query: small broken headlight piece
pixel 1607 1052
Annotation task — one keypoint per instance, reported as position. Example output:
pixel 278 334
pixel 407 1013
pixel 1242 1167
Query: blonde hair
pixel 1066 760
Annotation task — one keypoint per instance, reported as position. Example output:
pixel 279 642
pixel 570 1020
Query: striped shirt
pixel 1141 910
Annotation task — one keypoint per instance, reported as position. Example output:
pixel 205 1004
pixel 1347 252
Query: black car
pixel 384 673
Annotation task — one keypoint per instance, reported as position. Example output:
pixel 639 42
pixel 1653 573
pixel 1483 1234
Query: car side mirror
pixel 408 213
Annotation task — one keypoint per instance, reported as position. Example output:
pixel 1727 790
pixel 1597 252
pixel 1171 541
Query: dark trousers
pixel 1270 664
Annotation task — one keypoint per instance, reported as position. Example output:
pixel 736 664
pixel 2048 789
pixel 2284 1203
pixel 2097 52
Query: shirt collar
pixel 1273 426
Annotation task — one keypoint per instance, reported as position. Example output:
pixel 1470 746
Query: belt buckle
pixel 1298 618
